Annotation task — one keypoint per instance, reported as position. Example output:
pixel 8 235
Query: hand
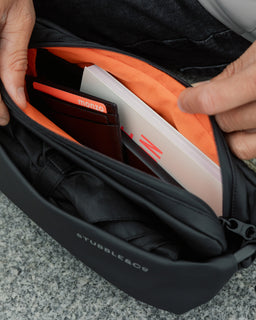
pixel 17 18
pixel 231 97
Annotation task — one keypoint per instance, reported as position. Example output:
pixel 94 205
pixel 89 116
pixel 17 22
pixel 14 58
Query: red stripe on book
pixel 151 147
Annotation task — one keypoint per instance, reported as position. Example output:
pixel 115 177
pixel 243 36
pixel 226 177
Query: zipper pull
pixel 247 231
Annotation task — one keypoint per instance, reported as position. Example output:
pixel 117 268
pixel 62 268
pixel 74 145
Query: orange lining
pixel 154 87
pixel 70 97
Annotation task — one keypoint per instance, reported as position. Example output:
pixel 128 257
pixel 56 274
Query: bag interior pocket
pixel 156 88
pixel 159 91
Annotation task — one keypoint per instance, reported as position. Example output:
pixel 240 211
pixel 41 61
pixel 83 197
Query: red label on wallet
pixel 70 97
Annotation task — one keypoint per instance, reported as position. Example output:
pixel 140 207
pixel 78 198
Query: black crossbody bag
pixel 150 238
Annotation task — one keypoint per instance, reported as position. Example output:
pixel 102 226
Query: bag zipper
pixel 245 230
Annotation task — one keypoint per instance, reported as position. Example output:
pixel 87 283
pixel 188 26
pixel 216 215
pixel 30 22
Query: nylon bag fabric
pixel 174 251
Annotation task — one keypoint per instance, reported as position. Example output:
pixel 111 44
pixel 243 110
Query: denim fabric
pixel 177 34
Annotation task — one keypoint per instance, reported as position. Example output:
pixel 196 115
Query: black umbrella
pixel 85 195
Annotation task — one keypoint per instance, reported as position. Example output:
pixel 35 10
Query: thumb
pixel 221 95
pixel 15 37
pixel 215 96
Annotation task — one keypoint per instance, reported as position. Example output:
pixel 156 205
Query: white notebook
pixel 188 165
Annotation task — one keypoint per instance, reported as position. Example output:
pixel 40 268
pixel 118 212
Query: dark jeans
pixel 177 34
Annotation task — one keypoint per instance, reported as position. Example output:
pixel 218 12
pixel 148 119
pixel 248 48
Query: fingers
pixel 242 144
pixel 239 125
pixel 4 114
pixel 220 95
pixel 238 119
pixel 15 37
pixel 234 87
pixel 231 97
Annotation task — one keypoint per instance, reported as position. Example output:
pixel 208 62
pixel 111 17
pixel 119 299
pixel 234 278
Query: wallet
pixel 92 128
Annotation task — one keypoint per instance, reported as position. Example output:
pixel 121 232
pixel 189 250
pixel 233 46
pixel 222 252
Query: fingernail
pixel 22 102
pixel 180 106
pixel 4 121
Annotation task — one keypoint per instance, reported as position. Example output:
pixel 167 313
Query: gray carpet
pixel 41 280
